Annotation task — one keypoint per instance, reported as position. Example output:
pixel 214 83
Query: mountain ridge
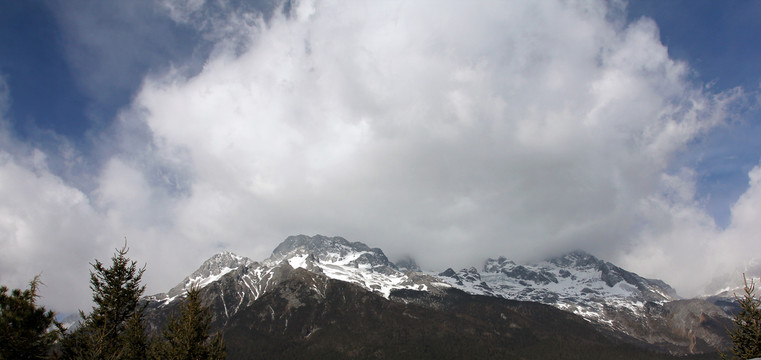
pixel 613 299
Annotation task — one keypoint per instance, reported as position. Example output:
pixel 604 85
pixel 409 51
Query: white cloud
pixel 451 131
pixel 682 244
pixel 47 228
pixel 516 129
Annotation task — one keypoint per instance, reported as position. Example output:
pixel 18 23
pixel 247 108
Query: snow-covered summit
pixel 220 263
pixel 339 259
pixel 334 250
pixel 334 257
pixel 649 289
pixel 211 270
pixel 577 281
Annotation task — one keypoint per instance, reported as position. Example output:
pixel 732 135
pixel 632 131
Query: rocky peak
pixel 211 270
pixel 224 260
pixel 523 273
pixel 469 275
pixel 468 278
pixel 317 244
pixel 449 272
pixel 497 265
pixel 576 259
pixel 331 250
pixel 611 275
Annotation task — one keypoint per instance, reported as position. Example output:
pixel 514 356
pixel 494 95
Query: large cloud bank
pixel 446 130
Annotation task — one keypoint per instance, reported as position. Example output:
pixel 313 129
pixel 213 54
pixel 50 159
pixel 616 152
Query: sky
pixel 449 131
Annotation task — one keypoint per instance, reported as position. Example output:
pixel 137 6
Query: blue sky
pixel 192 127
pixel 721 42
pixel 36 70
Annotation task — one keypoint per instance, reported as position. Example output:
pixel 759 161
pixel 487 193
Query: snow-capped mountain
pixel 340 259
pixel 576 282
pixel 620 301
pixel 211 270
pixel 335 257
pixel 644 310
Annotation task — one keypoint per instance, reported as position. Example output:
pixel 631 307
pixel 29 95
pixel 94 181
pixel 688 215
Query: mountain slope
pixel 643 310
pixel 310 316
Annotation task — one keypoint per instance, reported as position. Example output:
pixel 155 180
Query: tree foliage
pixel 134 341
pixel 746 334
pixel 26 330
pixel 114 329
pixel 187 336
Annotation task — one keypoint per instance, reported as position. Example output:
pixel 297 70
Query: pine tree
pixel 187 337
pixel 134 341
pixel 26 330
pixel 746 335
pixel 113 330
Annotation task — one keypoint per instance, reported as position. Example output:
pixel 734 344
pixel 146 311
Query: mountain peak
pixel 211 270
pixel 317 243
pixel 219 262
pixel 331 250
pixel 495 265
pixel 225 256
pixel 576 258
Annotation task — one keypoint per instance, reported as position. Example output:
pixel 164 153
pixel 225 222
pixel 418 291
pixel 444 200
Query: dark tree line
pixel 113 330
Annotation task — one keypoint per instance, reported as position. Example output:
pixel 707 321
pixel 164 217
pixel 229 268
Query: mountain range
pixel 328 297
